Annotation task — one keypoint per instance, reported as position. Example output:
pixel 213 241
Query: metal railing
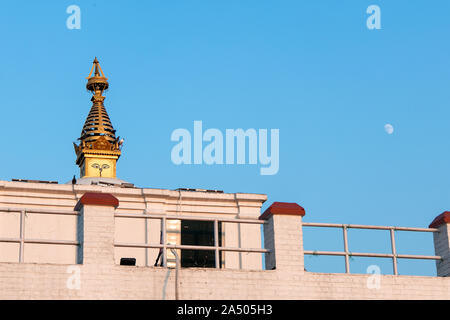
pixel 164 245
pixel 347 254
pixel 21 240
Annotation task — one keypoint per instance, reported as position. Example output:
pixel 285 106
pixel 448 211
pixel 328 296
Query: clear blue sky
pixel 311 69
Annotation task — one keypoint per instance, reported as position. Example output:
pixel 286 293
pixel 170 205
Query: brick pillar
pixel 442 243
pixel 283 236
pixel 96 228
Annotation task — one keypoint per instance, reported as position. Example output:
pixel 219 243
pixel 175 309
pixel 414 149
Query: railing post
pixel 22 235
pixel 442 243
pixel 347 262
pixel 96 228
pixel 394 251
pixel 164 236
pixel 283 236
pixel 216 243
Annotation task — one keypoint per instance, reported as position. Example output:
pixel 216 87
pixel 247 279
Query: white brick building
pixel 91 233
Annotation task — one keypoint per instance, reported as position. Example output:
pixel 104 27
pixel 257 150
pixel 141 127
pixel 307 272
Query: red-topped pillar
pixel 96 228
pixel 283 236
pixel 442 243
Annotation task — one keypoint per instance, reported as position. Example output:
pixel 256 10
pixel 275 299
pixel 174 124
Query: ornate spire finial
pixel 97 83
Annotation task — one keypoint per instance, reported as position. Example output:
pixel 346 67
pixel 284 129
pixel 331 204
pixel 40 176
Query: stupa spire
pixel 99 149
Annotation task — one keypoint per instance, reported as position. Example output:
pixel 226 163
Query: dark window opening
pixel 127 261
pixel 199 233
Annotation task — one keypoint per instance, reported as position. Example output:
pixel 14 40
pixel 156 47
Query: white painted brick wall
pixel 40 281
pixel 98 235
pixel 441 247
pixel 283 236
pixel 102 279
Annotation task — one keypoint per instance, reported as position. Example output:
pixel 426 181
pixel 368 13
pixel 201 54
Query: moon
pixel 389 128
